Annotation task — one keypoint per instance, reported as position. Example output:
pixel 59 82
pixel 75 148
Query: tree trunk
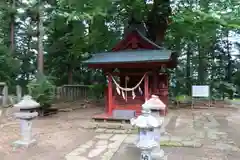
pixel 40 39
pixel 12 37
pixel 158 20
pixel 178 84
pixel 228 72
pixel 201 67
pixel 188 70
pixel 229 65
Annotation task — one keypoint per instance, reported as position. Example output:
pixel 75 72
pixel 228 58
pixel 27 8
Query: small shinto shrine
pixel 135 70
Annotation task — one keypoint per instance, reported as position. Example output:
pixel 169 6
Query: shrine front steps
pixel 166 139
pixel 116 128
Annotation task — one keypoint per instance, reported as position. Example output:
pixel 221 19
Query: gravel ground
pixel 56 135
pixel 60 134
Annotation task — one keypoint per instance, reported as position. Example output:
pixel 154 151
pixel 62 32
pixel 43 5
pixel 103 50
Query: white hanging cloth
pixel 133 95
pixel 120 90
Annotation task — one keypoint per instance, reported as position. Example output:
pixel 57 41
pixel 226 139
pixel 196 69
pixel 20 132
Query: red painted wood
pixel 135 104
pixel 155 81
pixel 146 88
pixel 142 65
pixel 102 116
pixel 106 99
pixel 137 73
pixel 167 83
pixel 133 43
pixel 110 95
pixel 135 38
pixel 129 74
pixel 118 100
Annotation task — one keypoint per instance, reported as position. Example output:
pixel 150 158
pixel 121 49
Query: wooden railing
pixel 63 93
pixel 72 92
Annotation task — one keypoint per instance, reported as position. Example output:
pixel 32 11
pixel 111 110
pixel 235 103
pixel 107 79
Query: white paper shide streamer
pixel 140 90
pixel 133 95
pixel 120 90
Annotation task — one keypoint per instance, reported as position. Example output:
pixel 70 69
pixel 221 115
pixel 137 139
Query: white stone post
pixel 19 93
pixel 5 95
pixel 26 105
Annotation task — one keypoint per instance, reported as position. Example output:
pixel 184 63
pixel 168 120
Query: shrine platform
pixel 109 117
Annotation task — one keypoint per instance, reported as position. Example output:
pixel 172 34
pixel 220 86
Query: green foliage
pixel 183 99
pixel 199 32
pixel 224 89
pixel 97 90
pixel 42 90
pixel 8 68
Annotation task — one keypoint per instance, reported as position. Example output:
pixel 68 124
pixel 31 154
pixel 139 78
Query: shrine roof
pixel 130 56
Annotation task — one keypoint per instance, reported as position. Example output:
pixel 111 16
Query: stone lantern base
pixel 22 143
pixel 162 158
pixel 158 154
pixel 148 155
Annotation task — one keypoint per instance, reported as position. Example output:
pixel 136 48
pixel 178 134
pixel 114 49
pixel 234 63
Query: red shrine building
pixel 135 70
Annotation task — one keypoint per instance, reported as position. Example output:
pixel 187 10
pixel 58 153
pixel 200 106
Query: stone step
pixel 107 125
pixel 169 141
pixel 116 131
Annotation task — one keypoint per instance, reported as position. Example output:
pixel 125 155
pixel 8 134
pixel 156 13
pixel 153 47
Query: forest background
pixel 54 37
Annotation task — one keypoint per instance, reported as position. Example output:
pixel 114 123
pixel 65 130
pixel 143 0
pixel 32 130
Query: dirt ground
pixel 57 135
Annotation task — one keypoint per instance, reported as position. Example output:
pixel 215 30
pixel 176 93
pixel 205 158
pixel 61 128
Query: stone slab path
pixel 197 135
pixel 101 147
pixel 186 135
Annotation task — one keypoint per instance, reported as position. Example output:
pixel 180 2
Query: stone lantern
pixel 27 113
pixel 149 133
pixel 154 103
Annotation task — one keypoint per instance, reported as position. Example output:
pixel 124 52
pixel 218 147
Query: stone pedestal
pixel 5 95
pixel 146 155
pixel 19 93
pixel 26 115
pixel 158 154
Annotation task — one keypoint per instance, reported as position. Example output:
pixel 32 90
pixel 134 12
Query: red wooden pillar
pixel 155 82
pixel 110 95
pixel 146 87
pixel 106 99
pixel 167 94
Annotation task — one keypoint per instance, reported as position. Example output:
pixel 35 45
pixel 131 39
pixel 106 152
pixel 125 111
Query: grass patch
pixel 171 144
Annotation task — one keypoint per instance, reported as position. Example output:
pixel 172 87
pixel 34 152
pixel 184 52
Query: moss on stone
pixel 171 144
pixel 180 144
pixel 134 131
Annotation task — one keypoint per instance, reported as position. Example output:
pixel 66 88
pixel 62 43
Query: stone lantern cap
pixel 143 121
pixel 154 103
pixel 27 103
pixel 26 115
